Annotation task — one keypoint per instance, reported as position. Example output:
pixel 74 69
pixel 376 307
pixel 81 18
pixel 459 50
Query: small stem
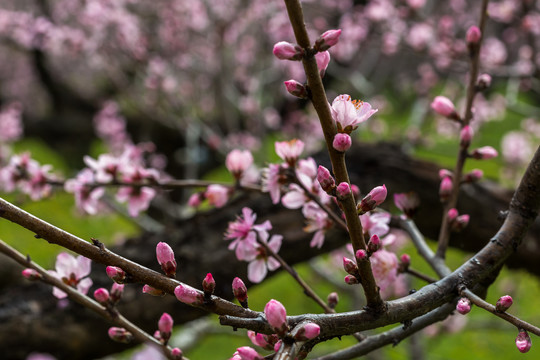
pixel 481 303
pixel 421 276
pixel 307 289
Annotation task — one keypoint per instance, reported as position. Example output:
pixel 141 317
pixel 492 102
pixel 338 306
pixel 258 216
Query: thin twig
pixel 420 275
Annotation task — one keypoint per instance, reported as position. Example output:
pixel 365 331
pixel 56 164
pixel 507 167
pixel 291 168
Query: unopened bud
pixel 276 315
pixel 31 274
pixel 188 295
pixel 452 214
pixel 445 173
pixel 484 153
pixel 296 89
pixel 473 35
pixel 287 51
pixel 445 189
pixel 460 223
pixel 332 300
pixel 120 335
pixel 177 354
pixel 208 284
pixel 374 244
pixel 102 296
pixel 195 200
pixel 405 260
pixel 351 280
pixel 342 142
pixel 322 59
pixel 165 325
pixel 307 332
pixel 165 258
pixel 504 303
pixel 343 190
pixel 473 176
pixel 349 266
pixel 116 274
pixel 523 341
pixel 327 40
pixel 248 353
pixel 147 289
pixel 240 291
pixel 466 136
pixel 445 107
pixel 361 255
pixel 484 81
pixel 325 179
pixel 373 199
pixel 116 292
pixel 355 190
pixel 463 306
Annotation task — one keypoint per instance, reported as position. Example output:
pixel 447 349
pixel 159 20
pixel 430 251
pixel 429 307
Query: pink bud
pixel 188 295
pixel 473 35
pixel 474 175
pixel 443 106
pixel 484 81
pixel 287 51
pixel 361 255
pixel 452 214
pixel 355 190
pixel 116 274
pixel 307 332
pixel 240 291
pixel 165 325
pixel 405 260
pixel 351 280
pixel 332 299
pixel 446 189
pixel 327 40
pixel 195 200
pixel 177 354
pixel 248 353
pixel 349 266
pixel 523 341
pixel 445 173
pixel 342 142
pixel 466 135
pixel 101 295
pixel 165 258
pixel 276 315
pixel 484 153
pixel 116 292
pixel 147 289
pixel 322 59
pixel 343 190
pixel 296 89
pixel 238 161
pixel 460 223
pixel 463 306
pixel 209 284
pixel 373 199
pixel 504 303
pixel 31 274
pixel 374 243
pixel 120 335
pixel 325 179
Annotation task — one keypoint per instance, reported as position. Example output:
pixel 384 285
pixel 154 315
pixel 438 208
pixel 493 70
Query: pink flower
pixel 11 122
pixel 86 196
pixel 376 224
pixel 244 232
pixel 316 221
pixel 165 258
pixel 484 153
pixel 238 161
pixel 272 182
pixel 445 190
pixel 289 151
pixel 138 198
pixel 463 306
pixel 217 195
pixel 444 106
pixel 466 135
pixel 276 315
pixel 523 341
pixel 384 265
pixel 262 262
pixel 327 40
pixel 287 51
pixel 195 200
pixel 188 295
pixel 342 142
pixel 349 113
pixel 322 59
pixel 73 272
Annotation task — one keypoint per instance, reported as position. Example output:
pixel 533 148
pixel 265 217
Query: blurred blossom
pixel 11 122
pixel 73 272
pixel 516 148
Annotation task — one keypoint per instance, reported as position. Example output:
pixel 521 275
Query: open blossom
pixel 217 195
pixel 86 196
pixel 317 221
pixel 73 272
pixel 244 232
pixel 407 202
pixel 262 262
pixel 28 175
pixel 348 114
pixel 289 151
pixel 384 265
pixel 272 181
pixel 376 224
pixel 238 161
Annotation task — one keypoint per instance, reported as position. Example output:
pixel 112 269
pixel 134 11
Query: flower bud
pixel 463 306
pixel 407 202
pixel 343 190
pixel 473 176
pixel 349 266
pixel 102 296
pixel 373 199
pixel 238 161
pixel 327 40
pixel 342 142
pixel 523 341
pixel 465 136
pixel 405 260
pixel 351 280
pixel 444 106
pixel 504 303
pixel 287 51
pixel 355 190
pixel 188 295
pixel 177 354
pixel 361 255
pixel 116 274
pixel 147 289
pixel 445 173
pixel 31 274
pixel 374 244
pixel 452 214
pixel 325 179
pixel 484 81
pixel 460 223
pixel 195 200
pixel 276 315
pixel 208 284
pixel 296 89
pixel 116 292
pixel 165 258
pixel 445 189
pixel 307 332
pixel 473 35
pixel 240 291
pixel 484 153
pixel 248 353
pixel 165 325
pixel 119 334
pixel 332 300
